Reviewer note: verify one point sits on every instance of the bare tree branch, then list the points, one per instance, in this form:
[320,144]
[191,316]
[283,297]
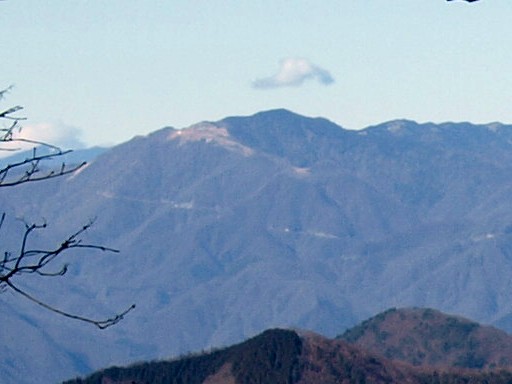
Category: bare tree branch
[101,324]
[28,260]
[30,169]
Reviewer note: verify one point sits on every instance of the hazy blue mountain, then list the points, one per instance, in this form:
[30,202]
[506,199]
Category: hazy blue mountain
[273,220]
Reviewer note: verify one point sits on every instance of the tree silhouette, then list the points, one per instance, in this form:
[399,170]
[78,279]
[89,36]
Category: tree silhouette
[34,261]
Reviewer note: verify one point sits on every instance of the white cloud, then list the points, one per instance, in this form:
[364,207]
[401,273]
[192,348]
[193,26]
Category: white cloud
[292,73]
[60,135]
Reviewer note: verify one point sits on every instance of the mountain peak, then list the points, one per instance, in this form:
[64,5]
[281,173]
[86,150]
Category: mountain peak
[283,133]
[278,118]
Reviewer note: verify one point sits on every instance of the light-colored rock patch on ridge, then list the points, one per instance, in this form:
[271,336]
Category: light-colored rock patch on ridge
[210,133]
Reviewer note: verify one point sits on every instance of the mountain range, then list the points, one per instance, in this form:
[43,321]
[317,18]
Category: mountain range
[229,228]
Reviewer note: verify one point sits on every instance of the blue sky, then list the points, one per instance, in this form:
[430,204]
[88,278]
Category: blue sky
[102,71]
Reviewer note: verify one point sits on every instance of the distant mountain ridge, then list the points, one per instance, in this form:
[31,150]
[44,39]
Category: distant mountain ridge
[288,357]
[229,228]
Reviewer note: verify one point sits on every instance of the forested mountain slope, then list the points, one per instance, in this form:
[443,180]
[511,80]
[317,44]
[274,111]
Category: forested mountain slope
[300,357]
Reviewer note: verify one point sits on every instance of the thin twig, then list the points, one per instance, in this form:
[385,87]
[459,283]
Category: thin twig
[101,324]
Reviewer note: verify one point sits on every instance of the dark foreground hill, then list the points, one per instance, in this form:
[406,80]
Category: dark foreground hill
[288,357]
[229,228]
[428,337]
